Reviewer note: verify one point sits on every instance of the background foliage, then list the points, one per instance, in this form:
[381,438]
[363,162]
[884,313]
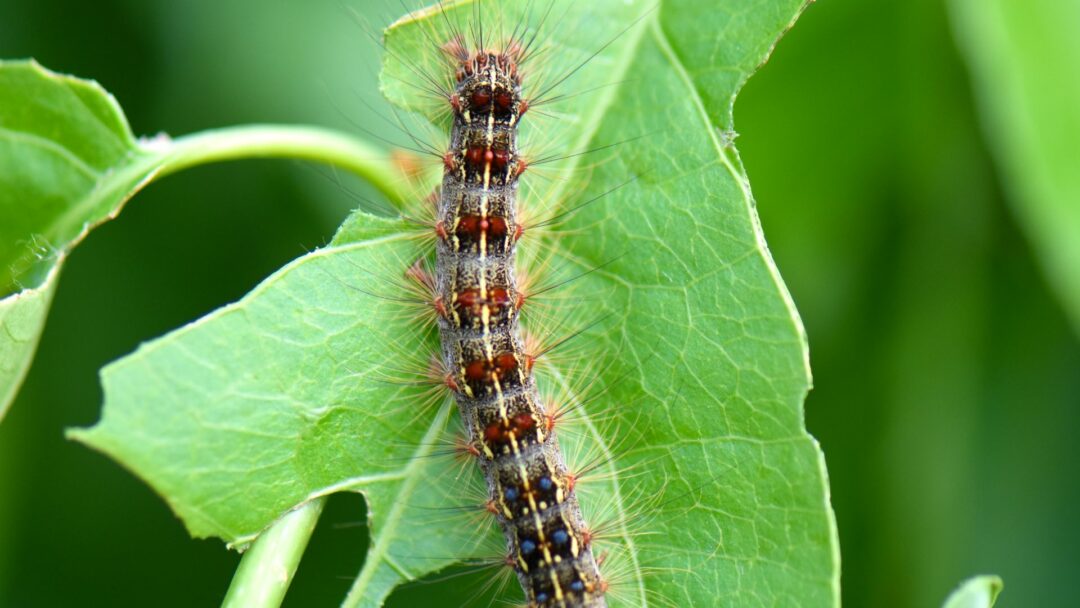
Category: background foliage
[945,367]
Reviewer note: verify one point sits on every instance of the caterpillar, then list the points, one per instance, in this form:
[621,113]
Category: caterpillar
[531,491]
[486,362]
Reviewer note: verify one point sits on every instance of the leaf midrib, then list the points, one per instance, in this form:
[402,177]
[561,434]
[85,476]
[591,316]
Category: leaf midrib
[411,478]
[40,141]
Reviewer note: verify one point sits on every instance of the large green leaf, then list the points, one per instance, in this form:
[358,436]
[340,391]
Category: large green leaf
[284,396]
[1025,59]
[977,592]
[68,162]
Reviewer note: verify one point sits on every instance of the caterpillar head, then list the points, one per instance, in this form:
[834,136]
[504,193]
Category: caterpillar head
[488,84]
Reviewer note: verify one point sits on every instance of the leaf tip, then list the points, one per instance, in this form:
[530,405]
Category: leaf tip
[82,434]
[976,592]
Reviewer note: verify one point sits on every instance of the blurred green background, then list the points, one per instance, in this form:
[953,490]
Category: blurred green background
[946,373]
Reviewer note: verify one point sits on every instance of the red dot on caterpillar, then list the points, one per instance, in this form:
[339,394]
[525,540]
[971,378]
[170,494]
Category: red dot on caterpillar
[476,370]
[471,298]
[468,225]
[463,449]
[494,432]
[523,422]
[505,363]
[480,97]
[472,226]
[451,383]
[571,481]
[496,226]
[470,449]
[503,101]
[586,537]
[440,307]
[497,368]
[498,297]
[468,298]
[549,422]
[477,156]
[557,414]
[499,158]
[501,431]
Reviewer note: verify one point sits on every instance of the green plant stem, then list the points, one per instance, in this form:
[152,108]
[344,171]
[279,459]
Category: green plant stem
[268,566]
[162,156]
[286,141]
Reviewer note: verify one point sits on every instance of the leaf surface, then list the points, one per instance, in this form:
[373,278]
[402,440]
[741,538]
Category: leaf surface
[692,353]
[1025,60]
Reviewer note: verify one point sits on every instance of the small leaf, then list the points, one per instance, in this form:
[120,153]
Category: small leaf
[67,162]
[976,592]
[1025,59]
[22,317]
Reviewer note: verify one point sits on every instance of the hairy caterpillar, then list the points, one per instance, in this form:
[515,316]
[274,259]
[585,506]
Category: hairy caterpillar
[478,298]
[531,489]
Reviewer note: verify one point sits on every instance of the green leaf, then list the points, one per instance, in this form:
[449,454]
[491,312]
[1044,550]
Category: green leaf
[289,395]
[1025,60]
[976,592]
[68,162]
[22,317]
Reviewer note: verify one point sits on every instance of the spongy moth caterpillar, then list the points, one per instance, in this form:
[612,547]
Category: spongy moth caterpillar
[478,295]
[531,491]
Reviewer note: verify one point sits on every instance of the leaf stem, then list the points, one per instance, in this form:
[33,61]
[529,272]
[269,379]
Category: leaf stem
[284,141]
[268,566]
